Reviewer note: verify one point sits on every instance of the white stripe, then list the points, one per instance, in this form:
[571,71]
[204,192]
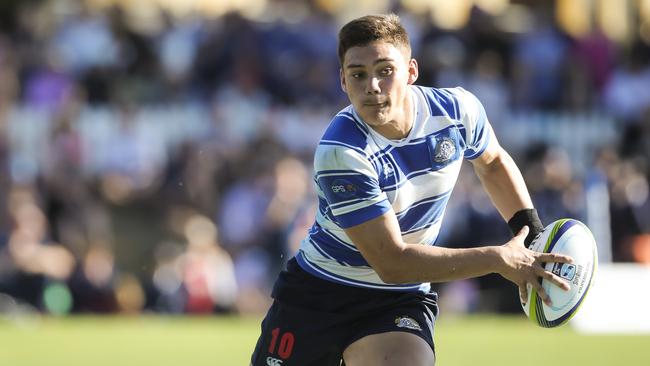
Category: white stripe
[427,235]
[363,204]
[339,143]
[335,174]
[433,199]
[426,186]
[345,241]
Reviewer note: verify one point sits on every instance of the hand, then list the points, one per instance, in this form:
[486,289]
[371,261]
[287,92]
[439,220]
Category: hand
[523,266]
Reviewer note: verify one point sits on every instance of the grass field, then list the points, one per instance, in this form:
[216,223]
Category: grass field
[228,341]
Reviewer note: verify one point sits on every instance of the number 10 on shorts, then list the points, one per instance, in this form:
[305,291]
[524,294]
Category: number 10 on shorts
[285,346]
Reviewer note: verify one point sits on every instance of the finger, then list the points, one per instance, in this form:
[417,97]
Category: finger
[523,232]
[554,258]
[523,293]
[541,293]
[554,279]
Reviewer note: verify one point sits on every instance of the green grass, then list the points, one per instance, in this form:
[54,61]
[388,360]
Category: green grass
[226,341]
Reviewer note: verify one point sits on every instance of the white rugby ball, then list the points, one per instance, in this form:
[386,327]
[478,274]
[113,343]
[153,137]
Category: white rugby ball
[568,237]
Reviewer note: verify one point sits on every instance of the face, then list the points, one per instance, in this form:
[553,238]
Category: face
[376,78]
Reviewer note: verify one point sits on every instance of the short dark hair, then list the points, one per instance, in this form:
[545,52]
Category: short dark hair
[370,28]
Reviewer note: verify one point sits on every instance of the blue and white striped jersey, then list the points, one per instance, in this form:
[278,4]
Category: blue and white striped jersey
[360,175]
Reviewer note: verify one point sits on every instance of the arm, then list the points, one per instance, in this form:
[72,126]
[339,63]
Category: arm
[379,241]
[395,261]
[506,188]
[502,180]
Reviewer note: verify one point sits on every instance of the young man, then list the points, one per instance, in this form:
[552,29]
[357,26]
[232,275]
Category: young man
[358,290]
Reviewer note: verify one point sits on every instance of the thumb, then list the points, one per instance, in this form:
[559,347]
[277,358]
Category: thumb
[522,233]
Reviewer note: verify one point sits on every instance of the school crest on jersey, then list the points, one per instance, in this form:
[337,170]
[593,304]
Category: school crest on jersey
[407,322]
[445,149]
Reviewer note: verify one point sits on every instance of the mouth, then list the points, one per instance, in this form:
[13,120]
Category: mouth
[376,105]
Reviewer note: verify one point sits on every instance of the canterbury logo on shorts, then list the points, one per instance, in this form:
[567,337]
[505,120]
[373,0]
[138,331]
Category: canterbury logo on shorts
[406,322]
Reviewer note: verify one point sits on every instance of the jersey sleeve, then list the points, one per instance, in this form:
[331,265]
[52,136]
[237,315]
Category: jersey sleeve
[475,122]
[347,181]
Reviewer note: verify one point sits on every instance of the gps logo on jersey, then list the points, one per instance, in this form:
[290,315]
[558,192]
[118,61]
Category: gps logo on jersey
[445,149]
[406,322]
[270,361]
[343,188]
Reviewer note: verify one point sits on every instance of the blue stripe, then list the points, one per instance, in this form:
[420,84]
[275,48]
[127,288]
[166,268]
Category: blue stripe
[358,124]
[337,251]
[336,238]
[327,275]
[423,227]
[364,214]
[341,129]
[441,102]
[407,178]
[409,157]
[563,229]
[321,251]
[345,190]
[403,181]
[328,253]
[325,210]
[422,201]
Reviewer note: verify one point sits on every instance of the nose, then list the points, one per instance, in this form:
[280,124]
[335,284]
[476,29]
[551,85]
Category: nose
[373,86]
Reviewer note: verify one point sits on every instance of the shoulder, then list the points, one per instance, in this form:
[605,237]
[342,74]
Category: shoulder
[343,145]
[451,102]
[346,130]
[345,135]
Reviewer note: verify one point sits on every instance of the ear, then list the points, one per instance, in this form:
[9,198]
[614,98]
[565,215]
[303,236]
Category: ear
[413,71]
[342,78]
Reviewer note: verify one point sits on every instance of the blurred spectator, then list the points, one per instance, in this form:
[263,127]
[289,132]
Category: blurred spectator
[35,261]
[207,270]
[627,94]
[538,59]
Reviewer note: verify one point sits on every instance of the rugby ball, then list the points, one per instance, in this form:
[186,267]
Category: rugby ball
[568,237]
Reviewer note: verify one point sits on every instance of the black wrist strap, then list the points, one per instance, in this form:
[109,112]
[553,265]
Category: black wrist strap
[526,217]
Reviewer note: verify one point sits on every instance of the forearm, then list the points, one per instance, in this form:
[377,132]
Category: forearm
[422,263]
[505,185]
[395,261]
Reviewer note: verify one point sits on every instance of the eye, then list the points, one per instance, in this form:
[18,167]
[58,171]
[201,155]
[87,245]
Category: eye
[387,71]
[357,75]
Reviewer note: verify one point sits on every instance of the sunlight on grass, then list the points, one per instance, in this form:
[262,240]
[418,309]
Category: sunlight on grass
[226,341]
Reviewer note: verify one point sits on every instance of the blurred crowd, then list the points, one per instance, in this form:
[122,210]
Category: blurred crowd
[165,166]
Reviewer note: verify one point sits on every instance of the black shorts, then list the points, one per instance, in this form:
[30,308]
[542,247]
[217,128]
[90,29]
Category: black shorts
[312,321]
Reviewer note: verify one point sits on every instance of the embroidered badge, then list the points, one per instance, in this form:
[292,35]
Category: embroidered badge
[406,322]
[445,149]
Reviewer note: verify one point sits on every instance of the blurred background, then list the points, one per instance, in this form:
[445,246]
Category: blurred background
[156,155]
